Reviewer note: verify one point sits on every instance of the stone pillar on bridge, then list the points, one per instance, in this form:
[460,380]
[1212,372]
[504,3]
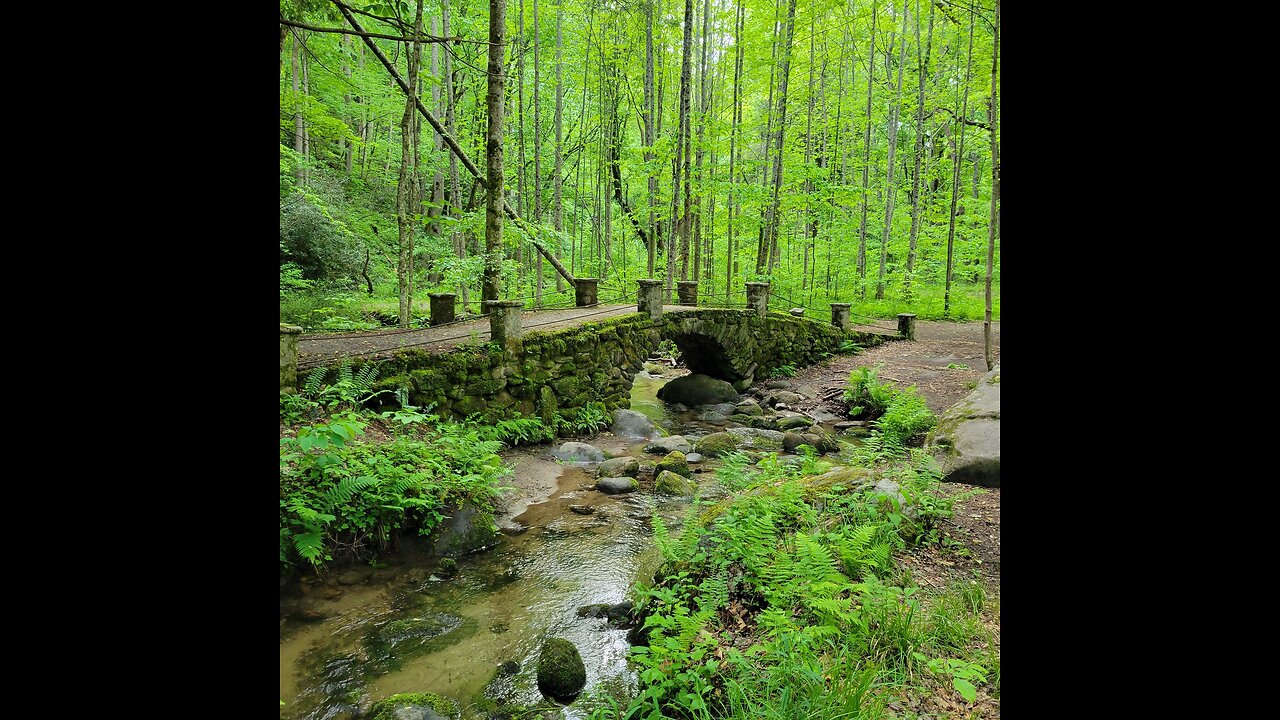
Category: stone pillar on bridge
[840,315]
[907,325]
[797,312]
[586,291]
[687,291]
[442,308]
[289,357]
[649,299]
[504,325]
[758,298]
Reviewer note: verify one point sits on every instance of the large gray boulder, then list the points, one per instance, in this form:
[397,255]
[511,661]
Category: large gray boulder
[966,442]
[756,439]
[617,485]
[633,424]
[697,389]
[579,452]
[671,443]
[619,467]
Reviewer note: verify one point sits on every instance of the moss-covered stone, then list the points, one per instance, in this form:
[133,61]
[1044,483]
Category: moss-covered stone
[669,483]
[561,673]
[717,444]
[418,706]
[675,462]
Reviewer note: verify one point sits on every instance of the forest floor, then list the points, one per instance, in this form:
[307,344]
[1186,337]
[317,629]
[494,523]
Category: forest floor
[971,542]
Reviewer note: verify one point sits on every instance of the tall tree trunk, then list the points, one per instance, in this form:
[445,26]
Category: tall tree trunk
[762,243]
[557,216]
[297,113]
[455,186]
[681,224]
[892,190]
[784,70]
[347,148]
[405,204]
[733,143]
[703,108]
[649,136]
[919,150]
[493,152]
[866,161]
[522,204]
[537,143]
[437,180]
[993,225]
[808,156]
[957,157]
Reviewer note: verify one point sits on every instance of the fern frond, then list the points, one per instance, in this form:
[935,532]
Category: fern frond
[315,380]
[347,488]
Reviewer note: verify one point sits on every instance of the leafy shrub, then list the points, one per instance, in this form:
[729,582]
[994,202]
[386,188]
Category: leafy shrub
[338,495]
[899,415]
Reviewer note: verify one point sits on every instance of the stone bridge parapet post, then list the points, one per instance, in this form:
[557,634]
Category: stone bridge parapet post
[442,308]
[504,325]
[840,315]
[758,298]
[649,298]
[907,325]
[586,291]
[289,357]
[687,292]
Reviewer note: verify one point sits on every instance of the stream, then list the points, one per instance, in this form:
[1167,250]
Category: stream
[402,628]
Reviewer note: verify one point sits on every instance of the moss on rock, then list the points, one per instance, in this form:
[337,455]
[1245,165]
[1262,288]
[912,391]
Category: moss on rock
[675,462]
[669,483]
[717,444]
[441,706]
[561,673]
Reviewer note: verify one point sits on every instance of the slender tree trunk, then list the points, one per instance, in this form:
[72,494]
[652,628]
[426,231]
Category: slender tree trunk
[537,143]
[297,113]
[919,150]
[558,200]
[993,225]
[808,156]
[681,224]
[405,204]
[703,109]
[455,186]
[730,253]
[957,155]
[892,190]
[437,180]
[784,69]
[493,152]
[866,162]
[762,243]
[522,203]
[650,137]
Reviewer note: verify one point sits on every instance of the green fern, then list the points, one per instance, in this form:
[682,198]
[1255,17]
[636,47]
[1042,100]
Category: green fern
[315,381]
[346,488]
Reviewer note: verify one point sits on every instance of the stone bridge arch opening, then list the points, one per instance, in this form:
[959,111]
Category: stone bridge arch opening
[706,355]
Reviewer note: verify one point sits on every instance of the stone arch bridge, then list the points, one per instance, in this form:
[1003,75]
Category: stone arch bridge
[595,361]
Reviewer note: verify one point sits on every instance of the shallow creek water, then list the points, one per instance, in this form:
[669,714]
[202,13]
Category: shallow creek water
[407,630]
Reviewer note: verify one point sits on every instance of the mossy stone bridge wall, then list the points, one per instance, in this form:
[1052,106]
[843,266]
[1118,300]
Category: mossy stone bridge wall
[564,370]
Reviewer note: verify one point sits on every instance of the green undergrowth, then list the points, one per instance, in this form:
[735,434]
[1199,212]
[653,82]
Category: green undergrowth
[900,415]
[351,479]
[786,601]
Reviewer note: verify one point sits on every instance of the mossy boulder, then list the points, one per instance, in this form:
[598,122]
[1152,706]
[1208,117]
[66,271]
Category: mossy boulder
[617,485]
[561,674]
[791,441]
[674,462]
[619,467]
[469,529]
[669,483]
[717,444]
[697,389]
[415,706]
